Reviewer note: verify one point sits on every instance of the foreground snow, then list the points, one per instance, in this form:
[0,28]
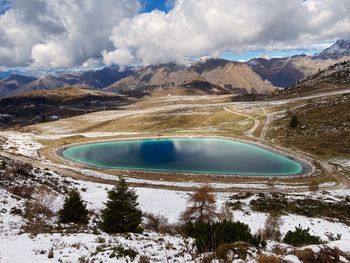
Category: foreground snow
[17,247]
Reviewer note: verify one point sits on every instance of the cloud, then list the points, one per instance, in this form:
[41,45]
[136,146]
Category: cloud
[59,33]
[200,27]
[80,33]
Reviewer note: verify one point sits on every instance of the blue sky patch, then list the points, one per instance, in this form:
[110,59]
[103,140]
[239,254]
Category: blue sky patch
[4,6]
[162,5]
[245,56]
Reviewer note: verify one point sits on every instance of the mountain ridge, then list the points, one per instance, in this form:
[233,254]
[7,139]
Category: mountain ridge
[258,75]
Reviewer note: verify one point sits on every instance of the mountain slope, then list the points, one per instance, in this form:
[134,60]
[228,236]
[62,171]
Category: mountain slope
[340,49]
[102,78]
[336,74]
[14,84]
[284,72]
[332,78]
[231,77]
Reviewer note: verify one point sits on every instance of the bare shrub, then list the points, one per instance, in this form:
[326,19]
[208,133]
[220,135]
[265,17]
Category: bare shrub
[156,223]
[268,259]
[50,254]
[144,259]
[314,187]
[272,228]
[225,213]
[228,252]
[208,258]
[201,206]
[23,191]
[327,255]
[39,213]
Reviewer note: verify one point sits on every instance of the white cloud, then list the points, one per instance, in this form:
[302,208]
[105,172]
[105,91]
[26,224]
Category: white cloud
[71,33]
[59,33]
[200,27]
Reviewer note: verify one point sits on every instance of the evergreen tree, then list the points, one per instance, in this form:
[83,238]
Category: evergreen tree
[121,213]
[73,210]
[294,121]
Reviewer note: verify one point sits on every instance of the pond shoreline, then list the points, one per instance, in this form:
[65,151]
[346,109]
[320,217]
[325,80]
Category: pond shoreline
[308,169]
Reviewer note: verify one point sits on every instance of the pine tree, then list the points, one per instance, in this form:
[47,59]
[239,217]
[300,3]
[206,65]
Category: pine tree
[73,210]
[121,213]
[294,121]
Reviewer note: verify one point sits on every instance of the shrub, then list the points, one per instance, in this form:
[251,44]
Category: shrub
[121,252]
[209,236]
[272,227]
[268,259]
[301,237]
[73,210]
[324,255]
[50,254]
[121,213]
[314,187]
[157,223]
[144,259]
[226,211]
[228,252]
[294,121]
[39,213]
[23,191]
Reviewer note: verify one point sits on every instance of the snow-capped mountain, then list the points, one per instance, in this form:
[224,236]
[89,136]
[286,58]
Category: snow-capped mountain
[340,49]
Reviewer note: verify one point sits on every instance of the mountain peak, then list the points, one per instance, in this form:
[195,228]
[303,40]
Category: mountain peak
[339,49]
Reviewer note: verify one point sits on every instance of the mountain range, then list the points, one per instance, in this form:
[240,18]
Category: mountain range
[256,76]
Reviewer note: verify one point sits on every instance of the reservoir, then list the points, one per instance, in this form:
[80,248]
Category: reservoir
[190,155]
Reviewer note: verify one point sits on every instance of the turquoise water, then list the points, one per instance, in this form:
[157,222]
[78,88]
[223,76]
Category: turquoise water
[208,156]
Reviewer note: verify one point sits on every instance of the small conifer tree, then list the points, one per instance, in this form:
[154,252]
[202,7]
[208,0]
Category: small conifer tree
[294,121]
[121,213]
[73,210]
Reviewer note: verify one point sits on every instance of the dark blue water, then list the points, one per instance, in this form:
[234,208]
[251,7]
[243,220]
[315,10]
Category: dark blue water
[213,156]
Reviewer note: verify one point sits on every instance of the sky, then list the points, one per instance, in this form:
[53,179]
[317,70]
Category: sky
[85,34]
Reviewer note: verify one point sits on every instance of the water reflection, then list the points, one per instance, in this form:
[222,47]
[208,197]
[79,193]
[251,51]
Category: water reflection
[185,155]
[156,153]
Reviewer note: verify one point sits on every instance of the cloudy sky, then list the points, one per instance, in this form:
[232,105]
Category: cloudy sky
[64,34]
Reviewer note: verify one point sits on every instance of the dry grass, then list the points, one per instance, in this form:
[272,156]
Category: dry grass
[268,259]
[323,130]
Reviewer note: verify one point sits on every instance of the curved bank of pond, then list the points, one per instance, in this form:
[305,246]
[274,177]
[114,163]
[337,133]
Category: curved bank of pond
[187,155]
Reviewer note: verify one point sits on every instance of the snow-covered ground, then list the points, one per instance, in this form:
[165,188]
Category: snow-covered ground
[15,247]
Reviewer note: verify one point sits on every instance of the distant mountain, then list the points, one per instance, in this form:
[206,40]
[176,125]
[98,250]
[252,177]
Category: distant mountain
[17,84]
[222,75]
[285,72]
[45,83]
[4,74]
[340,49]
[336,74]
[14,85]
[102,78]
[212,76]
[234,76]
[19,79]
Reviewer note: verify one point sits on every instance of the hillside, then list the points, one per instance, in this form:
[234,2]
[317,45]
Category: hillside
[332,78]
[231,77]
[13,84]
[44,105]
[285,72]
